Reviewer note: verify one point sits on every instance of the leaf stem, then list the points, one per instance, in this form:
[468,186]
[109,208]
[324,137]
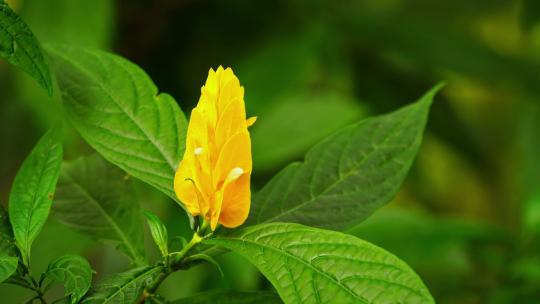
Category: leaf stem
[29,282]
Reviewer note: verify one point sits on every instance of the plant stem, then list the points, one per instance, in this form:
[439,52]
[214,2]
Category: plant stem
[174,260]
[35,286]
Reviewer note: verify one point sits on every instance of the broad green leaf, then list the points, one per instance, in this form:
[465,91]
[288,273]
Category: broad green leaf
[7,244]
[349,175]
[95,198]
[117,109]
[310,265]
[278,137]
[123,287]
[74,272]
[231,297]
[33,190]
[8,265]
[158,231]
[19,46]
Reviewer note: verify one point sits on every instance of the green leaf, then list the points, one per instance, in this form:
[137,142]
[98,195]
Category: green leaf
[76,274]
[117,109]
[310,265]
[349,175]
[19,46]
[7,243]
[123,287]
[158,231]
[33,189]
[278,139]
[231,297]
[8,265]
[96,199]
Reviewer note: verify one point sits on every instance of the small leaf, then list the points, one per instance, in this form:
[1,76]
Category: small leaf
[19,46]
[310,265]
[33,190]
[95,198]
[8,265]
[158,231]
[231,297]
[117,109]
[75,272]
[123,287]
[349,175]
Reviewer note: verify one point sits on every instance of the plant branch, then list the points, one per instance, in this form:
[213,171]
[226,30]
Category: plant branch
[174,261]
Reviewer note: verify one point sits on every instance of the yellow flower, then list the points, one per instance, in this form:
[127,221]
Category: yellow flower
[213,178]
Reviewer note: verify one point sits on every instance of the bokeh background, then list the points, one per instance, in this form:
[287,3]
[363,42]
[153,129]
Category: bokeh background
[468,216]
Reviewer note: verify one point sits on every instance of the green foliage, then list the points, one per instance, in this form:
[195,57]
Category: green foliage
[309,265]
[103,208]
[33,190]
[158,231]
[349,175]
[231,297]
[117,109]
[19,46]
[121,288]
[74,272]
[8,265]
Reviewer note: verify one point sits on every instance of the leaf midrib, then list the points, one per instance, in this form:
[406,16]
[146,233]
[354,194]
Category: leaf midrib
[136,256]
[33,202]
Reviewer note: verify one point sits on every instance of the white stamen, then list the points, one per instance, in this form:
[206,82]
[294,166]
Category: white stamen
[235,173]
[198,151]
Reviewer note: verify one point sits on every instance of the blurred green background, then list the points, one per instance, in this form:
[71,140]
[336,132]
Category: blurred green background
[468,216]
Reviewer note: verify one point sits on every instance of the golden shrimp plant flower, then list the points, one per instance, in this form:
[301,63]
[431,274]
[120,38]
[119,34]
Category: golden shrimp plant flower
[213,178]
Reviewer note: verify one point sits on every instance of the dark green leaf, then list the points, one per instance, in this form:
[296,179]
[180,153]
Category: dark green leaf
[7,244]
[231,297]
[97,199]
[158,231]
[33,189]
[74,272]
[123,287]
[117,109]
[8,265]
[349,175]
[19,46]
[310,265]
